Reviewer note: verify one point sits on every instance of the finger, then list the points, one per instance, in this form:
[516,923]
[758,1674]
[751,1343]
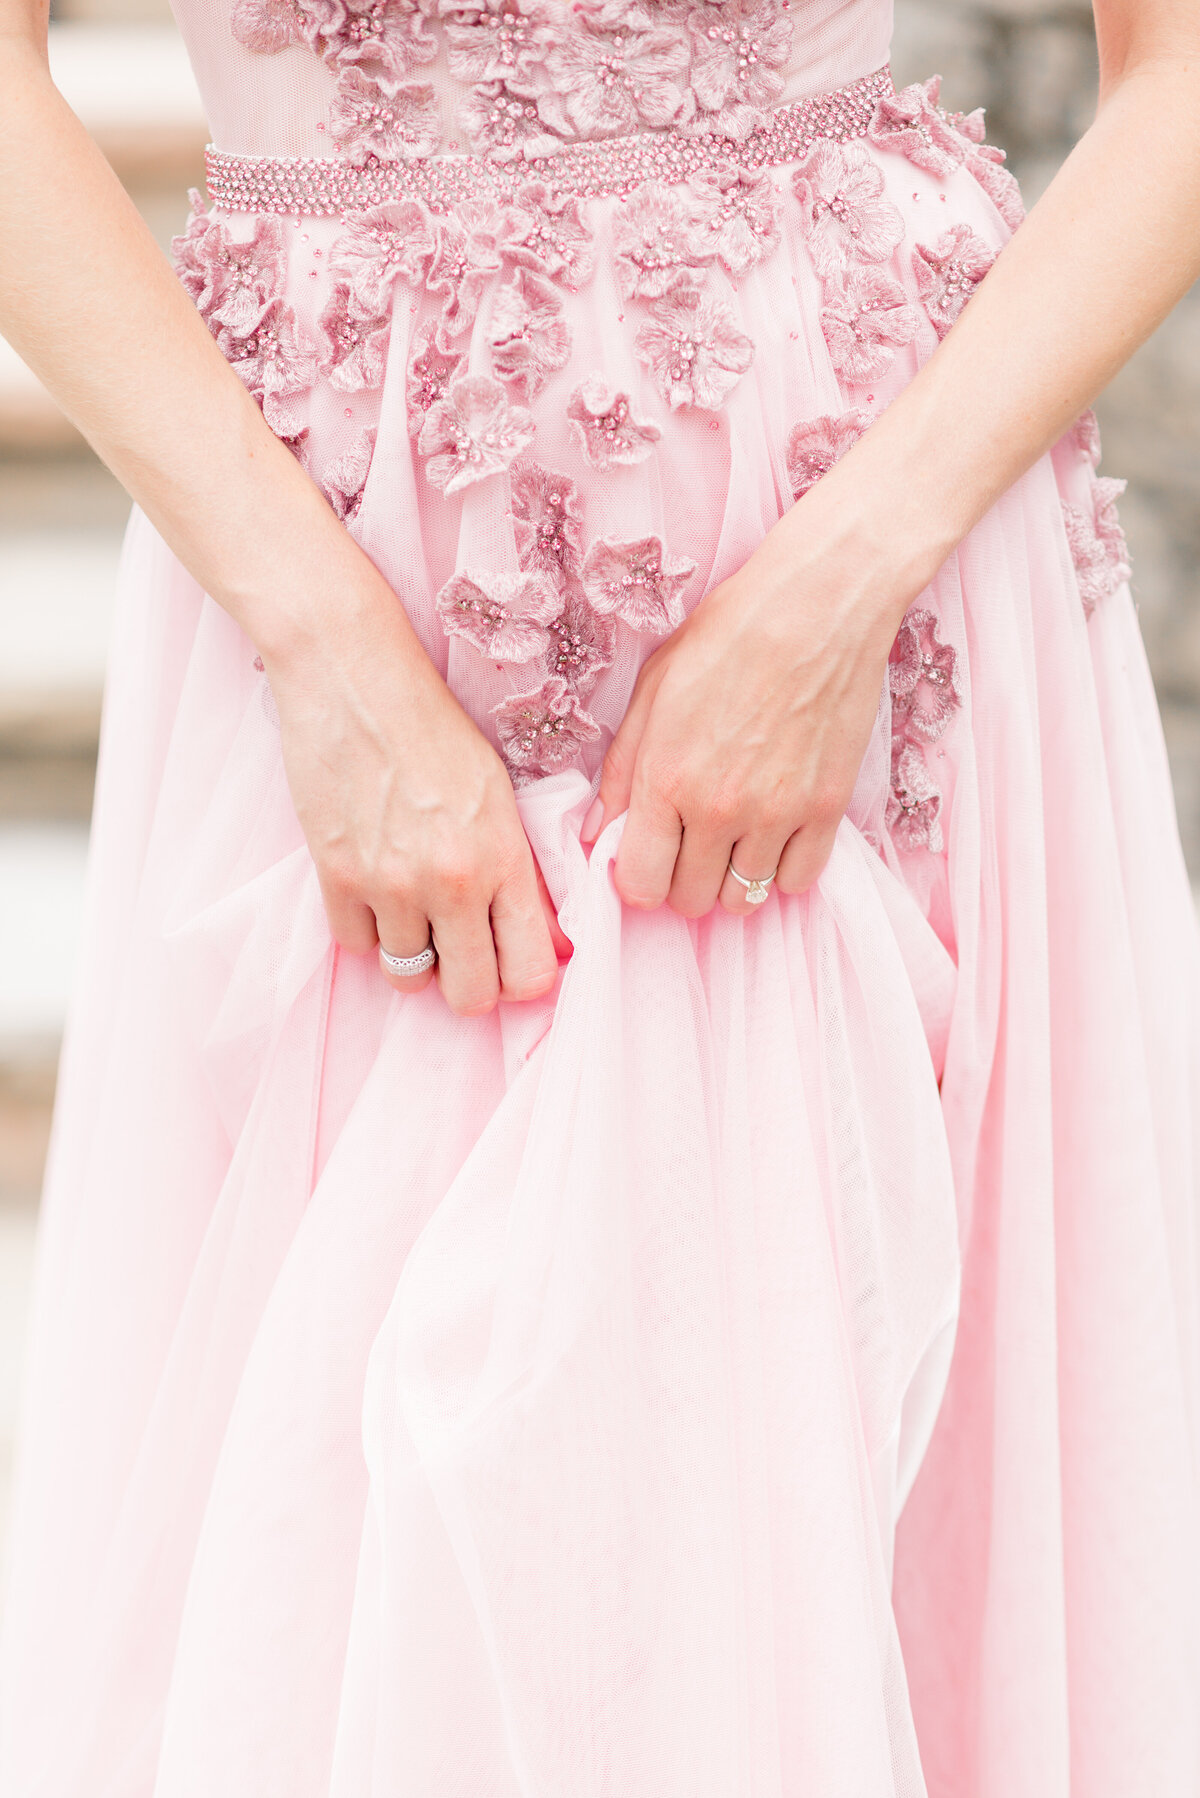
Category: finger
[755,856]
[616,777]
[804,855]
[403,931]
[466,970]
[699,871]
[646,858]
[525,957]
[564,948]
[350,919]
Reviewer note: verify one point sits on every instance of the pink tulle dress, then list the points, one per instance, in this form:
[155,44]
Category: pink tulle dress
[770,1366]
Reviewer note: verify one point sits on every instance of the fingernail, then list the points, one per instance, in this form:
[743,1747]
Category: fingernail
[593,821]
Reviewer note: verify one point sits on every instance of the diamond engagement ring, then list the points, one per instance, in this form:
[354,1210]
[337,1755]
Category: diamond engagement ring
[407,965]
[756,890]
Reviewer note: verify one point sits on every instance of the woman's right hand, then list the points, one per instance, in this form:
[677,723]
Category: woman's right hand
[411,819]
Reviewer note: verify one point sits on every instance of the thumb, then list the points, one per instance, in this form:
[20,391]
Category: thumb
[616,777]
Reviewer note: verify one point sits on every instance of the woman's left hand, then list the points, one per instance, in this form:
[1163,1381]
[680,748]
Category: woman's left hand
[746,730]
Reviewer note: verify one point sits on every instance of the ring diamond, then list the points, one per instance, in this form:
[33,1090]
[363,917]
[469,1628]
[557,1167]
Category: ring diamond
[756,890]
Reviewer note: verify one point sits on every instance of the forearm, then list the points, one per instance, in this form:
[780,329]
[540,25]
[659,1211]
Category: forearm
[90,302]
[1100,261]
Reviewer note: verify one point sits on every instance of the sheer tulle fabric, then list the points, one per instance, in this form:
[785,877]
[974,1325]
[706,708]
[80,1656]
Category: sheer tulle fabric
[768,1366]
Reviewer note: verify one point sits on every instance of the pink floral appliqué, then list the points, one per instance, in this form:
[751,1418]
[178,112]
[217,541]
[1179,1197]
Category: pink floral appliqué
[582,643]
[380,245]
[497,40]
[637,583]
[542,731]
[527,332]
[923,681]
[613,81]
[356,345]
[986,163]
[694,350]
[503,615]
[462,264]
[656,243]
[230,283]
[914,806]
[736,215]
[503,122]
[373,116]
[268,26]
[1085,435]
[384,37]
[738,49]
[605,427]
[866,319]
[911,123]
[276,361]
[551,235]
[473,433]
[948,272]
[344,482]
[815,445]
[546,522]
[1098,547]
[430,372]
[846,217]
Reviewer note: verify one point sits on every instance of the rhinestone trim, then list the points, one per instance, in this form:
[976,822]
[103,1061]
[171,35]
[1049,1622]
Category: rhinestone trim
[313,186]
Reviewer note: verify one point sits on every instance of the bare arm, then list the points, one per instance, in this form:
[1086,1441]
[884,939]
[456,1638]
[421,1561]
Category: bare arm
[767,696]
[407,809]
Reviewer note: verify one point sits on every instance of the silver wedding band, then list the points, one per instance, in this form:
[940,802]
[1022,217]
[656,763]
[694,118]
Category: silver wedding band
[756,890]
[407,965]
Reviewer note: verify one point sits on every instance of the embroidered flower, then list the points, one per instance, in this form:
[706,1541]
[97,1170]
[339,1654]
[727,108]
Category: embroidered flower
[551,235]
[614,81]
[379,245]
[948,272]
[527,333]
[911,123]
[230,283]
[738,48]
[384,37]
[276,361]
[344,483]
[694,349]
[461,265]
[473,433]
[497,40]
[503,615]
[356,345]
[986,164]
[815,445]
[1098,547]
[840,190]
[922,677]
[504,123]
[914,806]
[637,583]
[372,116]
[430,372]
[655,241]
[266,26]
[546,522]
[542,731]
[866,319]
[735,215]
[582,643]
[1085,435]
[605,427]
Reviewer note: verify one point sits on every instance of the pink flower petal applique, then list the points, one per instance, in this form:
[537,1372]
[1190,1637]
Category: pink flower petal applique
[528,333]
[735,215]
[276,361]
[356,344]
[913,815]
[430,372]
[846,216]
[498,40]
[613,81]
[543,731]
[582,643]
[344,482]
[815,445]
[1098,547]
[503,615]
[473,433]
[373,116]
[738,50]
[987,165]
[388,38]
[381,245]
[462,264]
[503,122]
[922,677]
[546,523]
[694,349]
[230,282]
[606,428]
[948,272]
[912,123]
[266,26]
[866,318]
[1085,435]
[635,582]
[552,237]
[657,245]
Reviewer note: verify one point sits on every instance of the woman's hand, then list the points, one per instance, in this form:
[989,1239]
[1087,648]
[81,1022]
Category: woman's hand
[411,819]
[746,729]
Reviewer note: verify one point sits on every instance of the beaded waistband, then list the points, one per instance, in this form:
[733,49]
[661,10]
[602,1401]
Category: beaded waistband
[317,186]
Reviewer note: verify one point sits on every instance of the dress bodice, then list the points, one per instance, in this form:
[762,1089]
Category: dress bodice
[401,78]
